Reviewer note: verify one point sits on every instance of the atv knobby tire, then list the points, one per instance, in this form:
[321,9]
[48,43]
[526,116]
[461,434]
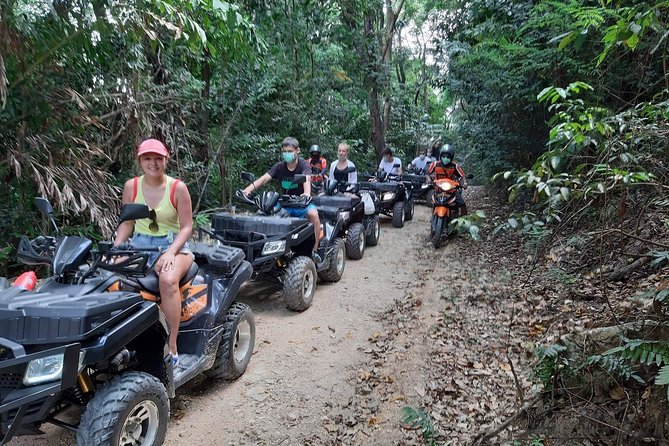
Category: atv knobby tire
[132,408]
[355,241]
[408,210]
[374,232]
[398,214]
[337,263]
[299,283]
[236,346]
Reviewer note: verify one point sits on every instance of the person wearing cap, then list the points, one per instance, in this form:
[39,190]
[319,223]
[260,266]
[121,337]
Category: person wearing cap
[388,163]
[169,227]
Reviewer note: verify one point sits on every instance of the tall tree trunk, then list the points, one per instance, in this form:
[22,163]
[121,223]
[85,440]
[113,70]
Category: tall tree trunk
[203,153]
[372,80]
[387,58]
[378,135]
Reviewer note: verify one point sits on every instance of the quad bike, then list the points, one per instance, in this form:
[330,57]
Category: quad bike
[444,209]
[394,197]
[276,245]
[422,189]
[344,216]
[92,337]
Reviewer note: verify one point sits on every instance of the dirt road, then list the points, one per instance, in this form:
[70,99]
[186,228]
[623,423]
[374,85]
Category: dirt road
[305,367]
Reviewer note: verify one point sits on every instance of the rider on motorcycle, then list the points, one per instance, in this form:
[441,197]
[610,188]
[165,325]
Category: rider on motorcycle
[446,168]
[318,164]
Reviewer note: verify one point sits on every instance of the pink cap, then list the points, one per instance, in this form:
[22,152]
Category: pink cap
[152,146]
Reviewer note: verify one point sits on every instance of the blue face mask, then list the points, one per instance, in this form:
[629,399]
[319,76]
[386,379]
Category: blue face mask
[288,157]
[446,160]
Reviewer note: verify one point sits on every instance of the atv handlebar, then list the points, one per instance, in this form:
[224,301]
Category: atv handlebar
[239,195]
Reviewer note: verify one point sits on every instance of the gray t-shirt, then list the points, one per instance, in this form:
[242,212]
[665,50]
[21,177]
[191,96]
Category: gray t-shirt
[420,164]
[388,166]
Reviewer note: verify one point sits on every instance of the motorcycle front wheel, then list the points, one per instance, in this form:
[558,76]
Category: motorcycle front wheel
[437,230]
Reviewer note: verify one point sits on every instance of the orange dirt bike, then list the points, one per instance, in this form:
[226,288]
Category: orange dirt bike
[444,209]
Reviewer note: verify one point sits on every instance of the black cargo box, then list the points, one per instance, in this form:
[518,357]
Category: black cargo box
[343,203]
[222,259]
[388,186]
[413,178]
[260,224]
[46,318]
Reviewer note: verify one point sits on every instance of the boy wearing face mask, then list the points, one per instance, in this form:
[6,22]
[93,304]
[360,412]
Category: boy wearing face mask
[446,168]
[283,172]
[421,162]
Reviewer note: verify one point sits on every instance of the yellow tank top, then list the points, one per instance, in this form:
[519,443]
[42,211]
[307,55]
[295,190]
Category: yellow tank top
[166,215]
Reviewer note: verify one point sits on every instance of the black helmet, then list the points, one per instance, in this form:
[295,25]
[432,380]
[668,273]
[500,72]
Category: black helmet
[447,151]
[315,149]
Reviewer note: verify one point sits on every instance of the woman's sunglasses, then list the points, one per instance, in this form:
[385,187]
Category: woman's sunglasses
[153,226]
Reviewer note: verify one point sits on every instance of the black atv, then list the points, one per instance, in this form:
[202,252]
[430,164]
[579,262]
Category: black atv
[277,246]
[357,225]
[394,196]
[422,189]
[92,338]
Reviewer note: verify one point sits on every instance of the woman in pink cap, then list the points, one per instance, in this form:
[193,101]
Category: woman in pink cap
[169,227]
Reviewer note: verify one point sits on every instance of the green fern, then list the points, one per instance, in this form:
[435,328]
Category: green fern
[642,351]
[417,419]
[662,378]
[550,364]
[616,366]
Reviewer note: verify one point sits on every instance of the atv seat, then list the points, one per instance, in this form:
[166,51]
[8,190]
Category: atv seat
[150,282]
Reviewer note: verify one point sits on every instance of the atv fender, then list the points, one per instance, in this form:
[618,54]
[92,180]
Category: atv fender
[224,290]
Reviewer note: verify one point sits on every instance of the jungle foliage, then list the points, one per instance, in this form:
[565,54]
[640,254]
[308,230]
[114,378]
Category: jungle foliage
[82,82]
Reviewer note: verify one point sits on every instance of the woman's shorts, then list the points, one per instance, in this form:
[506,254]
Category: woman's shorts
[143,241]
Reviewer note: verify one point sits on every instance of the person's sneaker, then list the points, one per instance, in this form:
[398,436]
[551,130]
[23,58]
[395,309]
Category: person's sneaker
[316,258]
[175,359]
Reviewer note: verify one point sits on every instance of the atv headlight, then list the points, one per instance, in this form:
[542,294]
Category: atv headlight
[388,196]
[345,215]
[424,186]
[273,247]
[42,370]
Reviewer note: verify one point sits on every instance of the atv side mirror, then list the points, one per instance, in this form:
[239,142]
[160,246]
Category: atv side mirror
[133,211]
[45,208]
[397,165]
[469,176]
[351,169]
[248,176]
[43,205]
